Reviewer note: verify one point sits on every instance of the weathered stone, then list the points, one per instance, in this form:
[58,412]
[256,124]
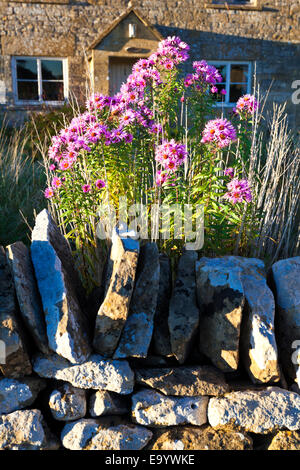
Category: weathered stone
[260,412]
[285,440]
[59,286]
[90,434]
[200,438]
[107,403]
[114,310]
[258,344]
[15,362]
[221,300]
[184,381]
[97,373]
[67,403]
[28,296]
[161,334]
[183,312]
[17,394]
[151,408]
[137,333]
[286,277]
[25,430]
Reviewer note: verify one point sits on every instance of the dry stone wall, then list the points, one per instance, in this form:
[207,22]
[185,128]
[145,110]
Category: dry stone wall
[234,383]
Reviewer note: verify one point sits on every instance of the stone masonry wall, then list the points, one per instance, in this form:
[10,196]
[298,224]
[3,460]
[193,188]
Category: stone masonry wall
[60,28]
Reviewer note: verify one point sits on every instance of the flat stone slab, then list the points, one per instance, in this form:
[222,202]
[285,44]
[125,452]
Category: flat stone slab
[260,412]
[221,300]
[28,296]
[183,311]
[26,430]
[97,373]
[114,310]
[16,394]
[258,343]
[200,438]
[161,335]
[15,360]
[59,288]
[68,403]
[184,381]
[286,277]
[90,434]
[151,408]
[137,333]
[103,403]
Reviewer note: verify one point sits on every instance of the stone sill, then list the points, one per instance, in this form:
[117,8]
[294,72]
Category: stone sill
[233,7]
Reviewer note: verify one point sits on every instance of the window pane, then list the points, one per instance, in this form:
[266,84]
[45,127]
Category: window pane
[27,69]
[218,96]
[239,73]
[52,70]
[53,91]
[236,91]
[28,91]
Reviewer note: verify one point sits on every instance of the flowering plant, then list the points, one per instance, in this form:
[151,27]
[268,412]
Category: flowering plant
[152,142]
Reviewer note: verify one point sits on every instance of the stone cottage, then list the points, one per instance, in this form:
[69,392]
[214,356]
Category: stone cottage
[51,50]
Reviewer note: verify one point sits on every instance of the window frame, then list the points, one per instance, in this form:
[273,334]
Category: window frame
[40,101]
[228,63]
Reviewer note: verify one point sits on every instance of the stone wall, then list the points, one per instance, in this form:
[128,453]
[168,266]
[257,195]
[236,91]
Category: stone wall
[267,34]
[210,361]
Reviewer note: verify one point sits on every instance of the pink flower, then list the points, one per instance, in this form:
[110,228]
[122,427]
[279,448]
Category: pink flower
[214,89]
[65,164]
[100,184]
[220,132]
[86,188]
[161,178]
[49,193]
[229,172]
[56,182]
[170,155]
[52,167]
[246,104]
[223,91]
[238,191]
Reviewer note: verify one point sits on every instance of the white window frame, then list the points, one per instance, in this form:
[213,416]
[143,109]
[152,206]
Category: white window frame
[225,102]
[39,80]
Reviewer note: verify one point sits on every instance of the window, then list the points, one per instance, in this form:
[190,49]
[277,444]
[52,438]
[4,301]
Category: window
[39,80]
[236,81]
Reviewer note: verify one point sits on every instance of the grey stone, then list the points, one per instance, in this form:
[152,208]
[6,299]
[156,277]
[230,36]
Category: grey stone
[184,381]
[16,362]
[114,310]
[221,300]
[107,403]
[97,373]
[161,334]
[137,333]
[90,434]
[183,312]
[258,343]
[151,408]
[28,296]
[25,430]
[68,403]
[58,285]
[16,394]
[199,438]
[286,278]
[260,412]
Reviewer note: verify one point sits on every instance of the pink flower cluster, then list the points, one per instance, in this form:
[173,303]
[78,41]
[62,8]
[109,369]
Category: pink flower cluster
[219,132]
[246,104]
[238,191]
[170,155]
[203,76]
